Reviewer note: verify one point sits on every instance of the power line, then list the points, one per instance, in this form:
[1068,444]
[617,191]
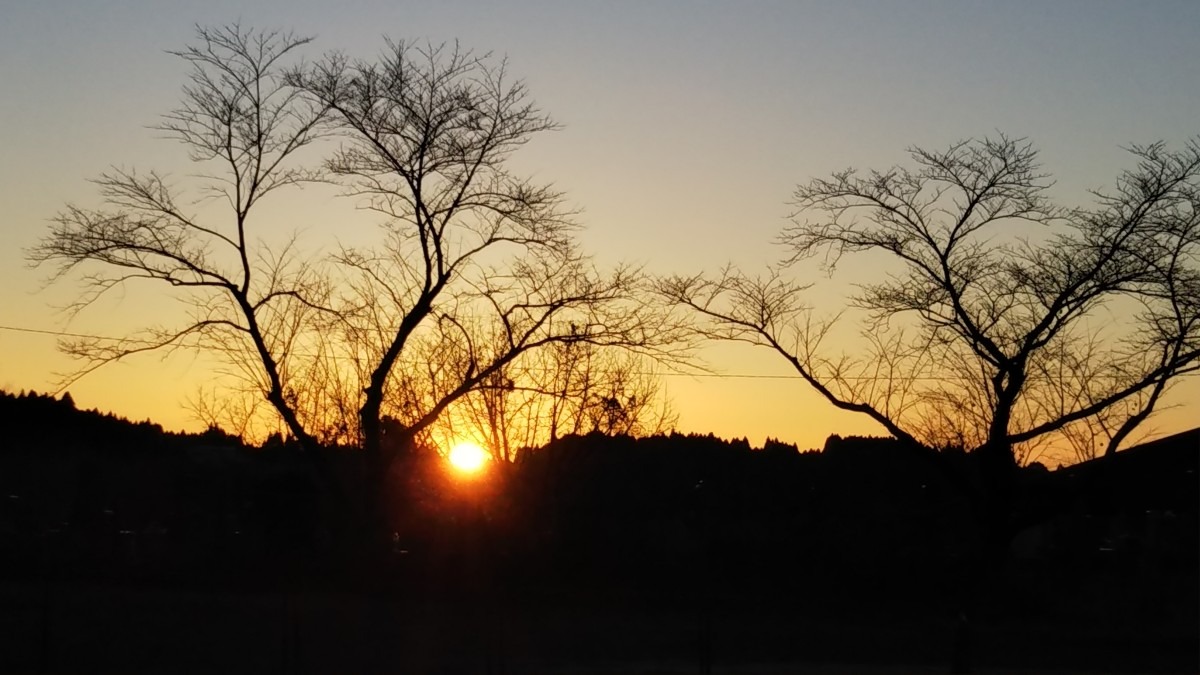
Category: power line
[57,333]
[718,376]
[744,376]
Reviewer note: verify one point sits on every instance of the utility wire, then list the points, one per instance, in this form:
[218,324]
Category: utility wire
[719,376]
[744,376]
[56,333]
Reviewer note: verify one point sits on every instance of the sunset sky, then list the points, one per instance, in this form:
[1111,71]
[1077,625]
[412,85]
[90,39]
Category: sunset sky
[686,125]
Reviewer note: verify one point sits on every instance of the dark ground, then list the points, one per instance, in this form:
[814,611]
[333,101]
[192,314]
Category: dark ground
[75,627]
[127,550]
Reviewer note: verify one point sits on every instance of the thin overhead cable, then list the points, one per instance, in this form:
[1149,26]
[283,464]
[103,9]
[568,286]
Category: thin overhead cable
[56,333]
[719,376]
[744,376]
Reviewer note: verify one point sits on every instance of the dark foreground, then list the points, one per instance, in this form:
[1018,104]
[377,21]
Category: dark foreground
[74,627]
[127,550]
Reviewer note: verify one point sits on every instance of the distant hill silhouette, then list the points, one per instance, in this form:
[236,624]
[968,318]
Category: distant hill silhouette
[1157,475]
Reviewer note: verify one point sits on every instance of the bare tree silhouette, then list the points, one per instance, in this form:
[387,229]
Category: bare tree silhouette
[569,388]
[985,341]
[981,340]
[471,249]
[477,267]
[250,303]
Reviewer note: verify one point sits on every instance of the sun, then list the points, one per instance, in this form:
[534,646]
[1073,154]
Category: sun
[467,457]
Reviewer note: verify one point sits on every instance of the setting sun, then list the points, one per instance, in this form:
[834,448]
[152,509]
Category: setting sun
[467,457]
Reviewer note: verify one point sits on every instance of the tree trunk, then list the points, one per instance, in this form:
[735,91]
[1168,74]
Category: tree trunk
[996,478]
[374,470]
[383,442]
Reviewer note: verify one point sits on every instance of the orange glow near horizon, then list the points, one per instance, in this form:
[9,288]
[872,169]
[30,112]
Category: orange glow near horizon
[467,457]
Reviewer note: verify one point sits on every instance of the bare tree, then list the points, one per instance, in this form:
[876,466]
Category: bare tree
[623,396]
[427,132]
[238,414]
[983,340]
[250,304]
[567,388]
[477,266]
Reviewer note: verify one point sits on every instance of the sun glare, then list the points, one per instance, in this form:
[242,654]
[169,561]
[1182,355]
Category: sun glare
[467,457]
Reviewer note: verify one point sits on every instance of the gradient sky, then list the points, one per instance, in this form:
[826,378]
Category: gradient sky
[686,126]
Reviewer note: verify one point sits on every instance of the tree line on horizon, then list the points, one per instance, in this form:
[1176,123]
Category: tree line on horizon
[77,470]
